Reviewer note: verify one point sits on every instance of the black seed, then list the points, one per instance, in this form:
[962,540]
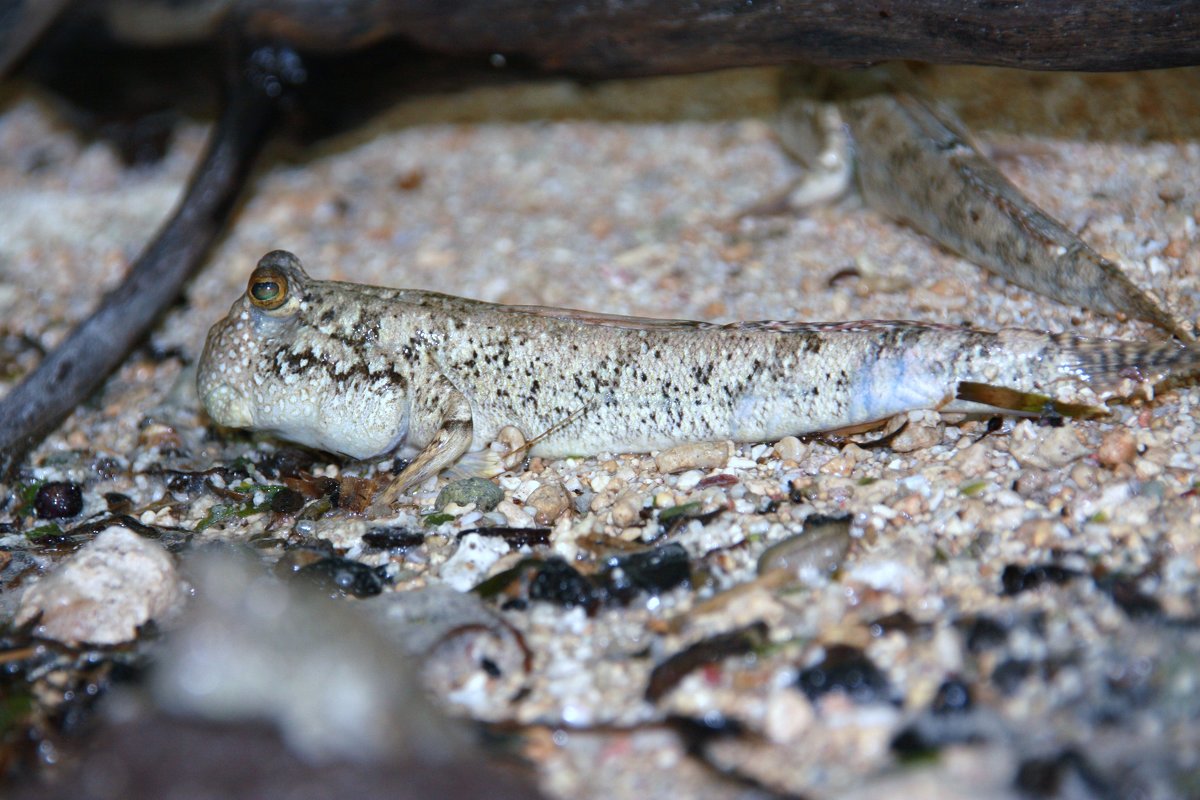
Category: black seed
[343,576]
[118,503]
[1016,579]
[953,697]
[329,487]
[1047,776]
[910,744]
[186,482]
[288,462]
[490,667]
[516,537]
[848,670]
[985,633]
[1129,597]
[1009,674]
[654,571]
[393,538]
[58,500]
[287,501]
[558,582]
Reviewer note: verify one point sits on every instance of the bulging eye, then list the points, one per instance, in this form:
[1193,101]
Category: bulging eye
[268,288]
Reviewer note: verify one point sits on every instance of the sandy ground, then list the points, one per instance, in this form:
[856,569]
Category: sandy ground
[622,198]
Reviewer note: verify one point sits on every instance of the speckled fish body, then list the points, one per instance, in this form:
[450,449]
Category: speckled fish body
[364,371]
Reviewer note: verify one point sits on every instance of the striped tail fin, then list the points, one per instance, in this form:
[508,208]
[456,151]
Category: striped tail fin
[1073,376]
[1103,361]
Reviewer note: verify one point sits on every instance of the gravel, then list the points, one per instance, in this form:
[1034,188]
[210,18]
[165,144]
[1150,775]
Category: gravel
[624,198]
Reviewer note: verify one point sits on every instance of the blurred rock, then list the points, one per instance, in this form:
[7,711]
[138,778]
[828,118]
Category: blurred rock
[269,690]
[102,594]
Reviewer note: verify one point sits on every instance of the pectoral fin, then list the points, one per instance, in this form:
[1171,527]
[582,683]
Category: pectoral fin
[453,438]
[1024,403]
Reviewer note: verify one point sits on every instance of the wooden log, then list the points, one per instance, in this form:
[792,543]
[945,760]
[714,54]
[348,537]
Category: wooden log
[626,38]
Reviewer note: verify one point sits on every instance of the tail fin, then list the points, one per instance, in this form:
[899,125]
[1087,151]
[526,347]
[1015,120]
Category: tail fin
[1106,362]
[1073,376]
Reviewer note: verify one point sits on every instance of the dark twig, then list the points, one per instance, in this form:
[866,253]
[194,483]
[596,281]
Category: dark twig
[101,342]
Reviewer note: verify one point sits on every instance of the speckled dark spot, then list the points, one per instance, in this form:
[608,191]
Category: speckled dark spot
[1017,578]
[654,571]
[286,461]
[342,576]
[393,538]
[848,670]
[287,501]
[953,697]
[58,500]
[1010,674]
[984,633]
[558,582]
[1045,776]
[106,467]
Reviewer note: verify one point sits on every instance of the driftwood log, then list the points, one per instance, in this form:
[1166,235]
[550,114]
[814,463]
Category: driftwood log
[625,38]
[480,40]
[600,38]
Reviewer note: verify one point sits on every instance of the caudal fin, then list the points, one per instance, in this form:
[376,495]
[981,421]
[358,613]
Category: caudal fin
[1031,373]
[1103,362]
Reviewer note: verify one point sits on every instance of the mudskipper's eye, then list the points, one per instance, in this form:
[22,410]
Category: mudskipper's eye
[268,288]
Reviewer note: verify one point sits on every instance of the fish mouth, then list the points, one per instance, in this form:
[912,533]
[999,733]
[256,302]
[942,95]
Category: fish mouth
[227,407]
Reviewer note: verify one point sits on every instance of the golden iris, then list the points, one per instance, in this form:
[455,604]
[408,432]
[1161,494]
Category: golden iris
[268,288]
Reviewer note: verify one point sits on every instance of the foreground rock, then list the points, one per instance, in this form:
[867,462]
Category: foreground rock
[105,592]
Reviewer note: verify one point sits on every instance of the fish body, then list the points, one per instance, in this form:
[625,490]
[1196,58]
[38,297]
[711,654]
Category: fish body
[367,371]
[912,160]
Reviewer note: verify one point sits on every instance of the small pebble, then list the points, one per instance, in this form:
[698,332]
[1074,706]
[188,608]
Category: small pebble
[514,515]
[789,448]
[58,500]
[974,459]
[470,563]
[701,455]
[512,442]
[818,550]
[480,491]
[918,436]
[1117,447]
[548,502]
[105,592]
[1046,448]
[627,508]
